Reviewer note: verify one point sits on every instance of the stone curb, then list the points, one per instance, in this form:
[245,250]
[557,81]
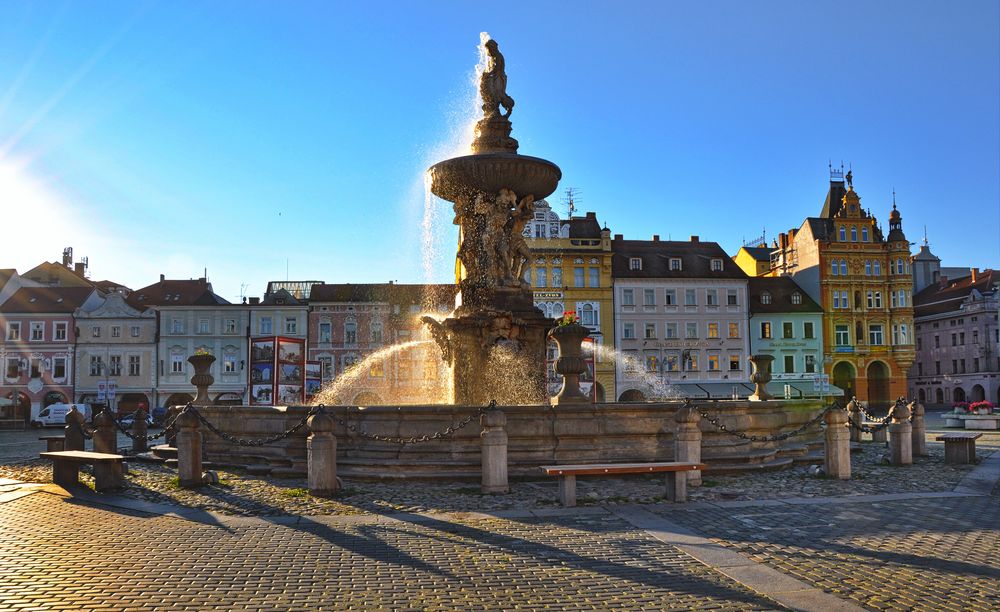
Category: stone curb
[983,478]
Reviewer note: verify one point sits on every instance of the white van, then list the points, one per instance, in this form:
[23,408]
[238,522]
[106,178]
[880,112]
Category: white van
[54,415]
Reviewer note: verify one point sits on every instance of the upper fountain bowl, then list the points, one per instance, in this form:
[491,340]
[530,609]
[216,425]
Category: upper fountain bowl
[490,172]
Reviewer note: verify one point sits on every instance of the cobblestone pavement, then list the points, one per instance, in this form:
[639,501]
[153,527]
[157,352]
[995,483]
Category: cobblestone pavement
[929,554]
[57,554]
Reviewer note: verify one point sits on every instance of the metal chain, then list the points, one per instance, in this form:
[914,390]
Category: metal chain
[867,428]
[775,438]
[447,431]
[871,417]
[148,438]
[260,441]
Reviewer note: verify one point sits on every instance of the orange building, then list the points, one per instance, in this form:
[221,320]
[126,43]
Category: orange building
[862,279]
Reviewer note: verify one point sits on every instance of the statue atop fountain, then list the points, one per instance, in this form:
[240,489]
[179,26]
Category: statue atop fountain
[493,192]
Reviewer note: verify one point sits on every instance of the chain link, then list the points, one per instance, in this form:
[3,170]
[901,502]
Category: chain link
[447,431]
[257,442]
[753,438]
[149,438]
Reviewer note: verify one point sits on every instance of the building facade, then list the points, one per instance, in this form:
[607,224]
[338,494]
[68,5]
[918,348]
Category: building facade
[958,339]
[787,324]
[681,319]
[570,270]
[862,279]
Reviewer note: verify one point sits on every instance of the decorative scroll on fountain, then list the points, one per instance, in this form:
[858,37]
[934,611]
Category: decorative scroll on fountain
[492,191]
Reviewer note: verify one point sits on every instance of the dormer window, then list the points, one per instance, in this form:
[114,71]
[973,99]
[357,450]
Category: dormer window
[765,298]
[796,298]
[635,263]
[675,263]
[716,265]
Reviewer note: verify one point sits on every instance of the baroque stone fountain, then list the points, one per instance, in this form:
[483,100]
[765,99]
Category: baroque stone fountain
[492,191]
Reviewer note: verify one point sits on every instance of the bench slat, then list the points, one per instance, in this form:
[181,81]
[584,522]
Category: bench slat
[620,468]
[958,436]
[80,456]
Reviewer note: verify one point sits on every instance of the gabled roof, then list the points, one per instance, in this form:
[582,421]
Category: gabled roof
[762,254]
[584,227]
[936,299]
[696,259]
[195,292]
[834,199]
[822,229]
[108,286]
[5,275]
[281,297]
[56,274]
[44,300]
[781,288]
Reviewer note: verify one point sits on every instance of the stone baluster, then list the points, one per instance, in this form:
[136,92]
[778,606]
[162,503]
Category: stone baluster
[837,460]
[494,451]
[189,449]
[854,410]
[139,431]
[900,435]
[106,441]
[322,455]
[687,441]
[919,430]
[75,440]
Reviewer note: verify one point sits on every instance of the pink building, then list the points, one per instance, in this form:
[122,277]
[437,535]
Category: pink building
[39,340]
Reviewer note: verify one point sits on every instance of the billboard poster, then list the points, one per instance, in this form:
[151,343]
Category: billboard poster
[277,371]
[314,379]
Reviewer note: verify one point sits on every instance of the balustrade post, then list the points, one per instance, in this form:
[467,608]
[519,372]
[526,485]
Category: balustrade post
[837,451]
[854,411]
[189,449]
[900,435]
[919,435]
[73,432]
[687,441]
[494,451]
[106,441]
[139,431]
[322,455]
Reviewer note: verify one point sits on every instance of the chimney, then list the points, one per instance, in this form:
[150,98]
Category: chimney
[975,274]
[254,301]
[619,237]
[656,237]
[78,268]
[783,241]
[162,278]
[694,239]
[592,215]
[943,280]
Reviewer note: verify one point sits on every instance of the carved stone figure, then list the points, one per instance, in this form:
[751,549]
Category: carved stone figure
[493,84]
[442,337]
[520,253]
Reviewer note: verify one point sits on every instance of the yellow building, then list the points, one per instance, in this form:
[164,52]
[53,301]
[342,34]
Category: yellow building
[570,270]
[862,279]
[754,261]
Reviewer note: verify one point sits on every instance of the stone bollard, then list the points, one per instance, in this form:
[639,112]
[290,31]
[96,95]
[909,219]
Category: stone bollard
[170,433]
[919,430]
[900,436]
[75,440]
[188,449]
[106,441]
[494,453]
[687,441]
[837,461]
[854,410]
[322,455]
[139,431]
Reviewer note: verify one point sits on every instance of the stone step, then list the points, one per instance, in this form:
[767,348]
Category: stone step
[205,465]
[164,452]
[258,469]
[743,468]
[793,450]
[288,472]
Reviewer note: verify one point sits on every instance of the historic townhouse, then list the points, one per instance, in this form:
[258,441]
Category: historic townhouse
[788,325]
[958,337]
[862,279]
[681,320]
[372,345]
[570,270]
[39,335]
[116,346]
[192,318]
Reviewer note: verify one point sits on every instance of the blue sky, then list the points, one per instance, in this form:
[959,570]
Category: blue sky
[260,140]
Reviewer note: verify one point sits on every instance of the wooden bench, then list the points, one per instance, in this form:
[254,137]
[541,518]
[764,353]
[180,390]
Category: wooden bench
[676,473]
[108,468]
[54,443]
[959,447]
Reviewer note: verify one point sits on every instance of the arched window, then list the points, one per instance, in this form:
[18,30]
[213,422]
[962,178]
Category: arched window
[834,267]
[350,332]
[868,267]
[587,315]
[899,266]
[854,234]
[864,234]
[843,234]
[878,268]
[843,267]
[377,333]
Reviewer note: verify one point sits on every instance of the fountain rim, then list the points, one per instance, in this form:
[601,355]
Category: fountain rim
[467,163]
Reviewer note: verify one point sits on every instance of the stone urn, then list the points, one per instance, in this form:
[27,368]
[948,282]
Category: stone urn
[202,380]
[760,376]
[571,363]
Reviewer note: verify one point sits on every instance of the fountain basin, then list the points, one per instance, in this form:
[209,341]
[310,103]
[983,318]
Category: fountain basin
[459,177]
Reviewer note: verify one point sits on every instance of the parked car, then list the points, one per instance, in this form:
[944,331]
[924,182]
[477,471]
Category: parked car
[129,419]
[54,415]
[159,414]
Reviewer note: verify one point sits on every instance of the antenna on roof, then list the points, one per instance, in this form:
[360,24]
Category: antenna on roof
[572,195]
[925,236]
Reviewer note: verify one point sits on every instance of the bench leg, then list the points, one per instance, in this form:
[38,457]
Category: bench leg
[108,476]
[55,446]
[66,474]
[881,435]
[567,490]
[677,487]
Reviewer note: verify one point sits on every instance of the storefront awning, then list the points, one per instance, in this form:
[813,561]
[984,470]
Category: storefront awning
[688,390]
